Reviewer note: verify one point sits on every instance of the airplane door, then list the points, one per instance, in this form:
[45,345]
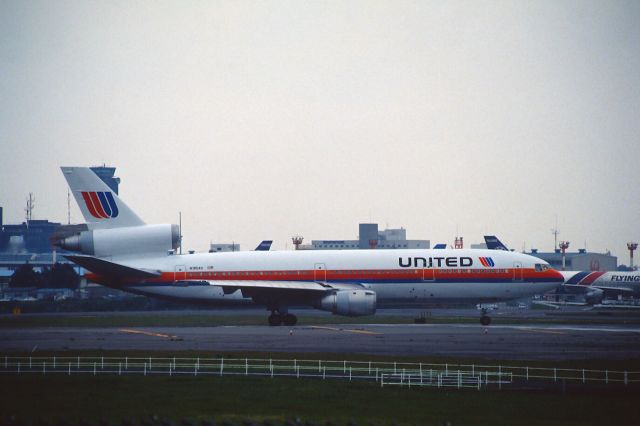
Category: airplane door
[517,271]
[180,273]
[428,274]
[320,272]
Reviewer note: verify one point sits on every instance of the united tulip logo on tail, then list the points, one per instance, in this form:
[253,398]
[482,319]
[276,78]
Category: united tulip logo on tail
[487,262]
[101,205]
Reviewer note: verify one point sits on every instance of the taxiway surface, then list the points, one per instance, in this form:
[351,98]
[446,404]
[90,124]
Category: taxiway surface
[514,342]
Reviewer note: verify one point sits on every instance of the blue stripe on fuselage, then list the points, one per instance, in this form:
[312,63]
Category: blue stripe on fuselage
[578,277]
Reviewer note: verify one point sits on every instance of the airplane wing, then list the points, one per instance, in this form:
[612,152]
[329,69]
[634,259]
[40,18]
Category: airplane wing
[613,289]
[600,287]
[309,286]
[267,289]
[275,285]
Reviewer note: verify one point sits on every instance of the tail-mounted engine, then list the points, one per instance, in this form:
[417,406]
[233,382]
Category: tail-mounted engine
[123,241]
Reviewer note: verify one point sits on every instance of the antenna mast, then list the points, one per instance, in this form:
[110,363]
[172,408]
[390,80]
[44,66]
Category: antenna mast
[555,233]
[29,209]
[68,207]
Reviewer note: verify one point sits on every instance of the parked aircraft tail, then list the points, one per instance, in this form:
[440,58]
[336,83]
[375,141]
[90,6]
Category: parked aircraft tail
[493,243]
[264,245]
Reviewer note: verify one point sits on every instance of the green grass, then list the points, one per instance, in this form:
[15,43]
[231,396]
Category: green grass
[258,399]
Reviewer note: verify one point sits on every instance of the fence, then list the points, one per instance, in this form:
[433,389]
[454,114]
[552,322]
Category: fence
[386,373]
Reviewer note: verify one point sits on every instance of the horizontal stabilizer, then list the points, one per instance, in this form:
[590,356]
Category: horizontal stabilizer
[111,269]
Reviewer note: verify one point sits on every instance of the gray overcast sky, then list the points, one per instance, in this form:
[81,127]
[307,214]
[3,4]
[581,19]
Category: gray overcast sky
[266,119]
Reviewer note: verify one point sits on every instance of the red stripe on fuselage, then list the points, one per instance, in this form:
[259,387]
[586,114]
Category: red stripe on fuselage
[380,275]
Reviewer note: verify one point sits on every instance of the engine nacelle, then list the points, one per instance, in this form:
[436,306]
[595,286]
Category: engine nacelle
[350,303]
[124,241]
[594,296]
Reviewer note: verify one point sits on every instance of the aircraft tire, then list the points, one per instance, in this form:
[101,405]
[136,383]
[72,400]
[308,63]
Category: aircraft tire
[290,320]
[485,320]
[275,319]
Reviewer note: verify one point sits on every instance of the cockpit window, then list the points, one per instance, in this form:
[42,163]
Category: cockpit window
[540,267]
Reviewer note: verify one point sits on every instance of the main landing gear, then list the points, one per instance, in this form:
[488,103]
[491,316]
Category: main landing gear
[485,319]
[277,318]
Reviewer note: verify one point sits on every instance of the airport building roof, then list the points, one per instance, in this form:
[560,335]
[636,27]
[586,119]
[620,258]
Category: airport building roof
[370,237]
[579,261]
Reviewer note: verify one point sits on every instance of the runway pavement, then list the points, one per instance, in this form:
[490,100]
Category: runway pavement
[513,342]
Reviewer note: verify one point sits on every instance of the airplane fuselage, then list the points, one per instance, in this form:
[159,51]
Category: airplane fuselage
[628,283]
[395,275]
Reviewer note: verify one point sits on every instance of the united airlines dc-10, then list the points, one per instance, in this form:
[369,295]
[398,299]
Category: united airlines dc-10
[121,251]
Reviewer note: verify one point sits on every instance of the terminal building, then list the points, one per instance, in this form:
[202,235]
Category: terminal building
[31,236]
[223,247]
[578,261]
[370,237]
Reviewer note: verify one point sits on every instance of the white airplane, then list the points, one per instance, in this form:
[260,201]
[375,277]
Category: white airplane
[123,252]
[596,285]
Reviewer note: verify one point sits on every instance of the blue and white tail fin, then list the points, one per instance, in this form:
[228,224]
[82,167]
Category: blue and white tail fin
[493,243]
[264,245]
[100,206]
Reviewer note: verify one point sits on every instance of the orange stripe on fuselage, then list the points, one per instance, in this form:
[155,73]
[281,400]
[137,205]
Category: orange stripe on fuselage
[382,275]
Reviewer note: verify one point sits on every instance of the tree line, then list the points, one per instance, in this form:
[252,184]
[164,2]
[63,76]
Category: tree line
[60,275]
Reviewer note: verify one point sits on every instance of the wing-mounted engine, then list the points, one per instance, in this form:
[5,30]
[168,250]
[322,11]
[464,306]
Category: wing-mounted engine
[594,296]
[349,302]
[123,241]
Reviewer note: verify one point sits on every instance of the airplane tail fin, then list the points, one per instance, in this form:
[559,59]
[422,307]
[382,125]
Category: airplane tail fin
[264,245]
[493,243]
[100,206]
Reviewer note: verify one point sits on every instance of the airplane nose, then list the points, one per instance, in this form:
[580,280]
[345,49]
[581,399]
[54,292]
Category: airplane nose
[556,276]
